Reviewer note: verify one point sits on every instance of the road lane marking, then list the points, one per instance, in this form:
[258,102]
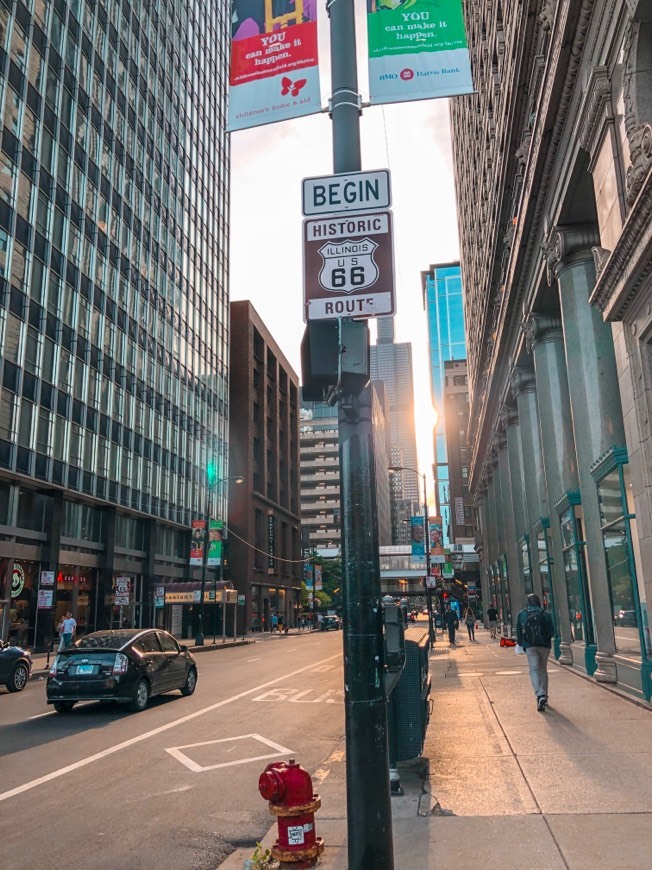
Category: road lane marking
[292,649]
[175,752]
[111,750]
[254,660]
[41,715]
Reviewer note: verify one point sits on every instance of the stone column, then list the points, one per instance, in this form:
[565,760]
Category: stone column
[546,340]
[481,546]
[510,422]
[536,503]
[597,412]
[499,528]
[514,574]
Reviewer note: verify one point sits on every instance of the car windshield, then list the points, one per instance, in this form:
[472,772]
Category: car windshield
[105,640]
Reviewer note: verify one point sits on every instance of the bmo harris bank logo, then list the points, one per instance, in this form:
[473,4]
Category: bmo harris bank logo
[405,75]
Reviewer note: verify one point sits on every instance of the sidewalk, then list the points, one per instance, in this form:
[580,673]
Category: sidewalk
[502,785]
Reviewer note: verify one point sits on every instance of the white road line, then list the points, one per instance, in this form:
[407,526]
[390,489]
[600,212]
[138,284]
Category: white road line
[292,649]
[41,715]
[254,660]
[55,774]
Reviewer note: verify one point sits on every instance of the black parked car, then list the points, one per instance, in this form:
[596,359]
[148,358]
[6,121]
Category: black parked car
[128,666]
[331,623]
[15,667]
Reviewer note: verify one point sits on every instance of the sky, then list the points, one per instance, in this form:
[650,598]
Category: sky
[268,163]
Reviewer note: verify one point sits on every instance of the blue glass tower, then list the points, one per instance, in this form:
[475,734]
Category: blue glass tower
[442,297]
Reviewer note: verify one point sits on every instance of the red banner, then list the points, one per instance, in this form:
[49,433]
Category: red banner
[274,62]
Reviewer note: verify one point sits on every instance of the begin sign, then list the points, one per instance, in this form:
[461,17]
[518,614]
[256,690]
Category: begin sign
[353,191]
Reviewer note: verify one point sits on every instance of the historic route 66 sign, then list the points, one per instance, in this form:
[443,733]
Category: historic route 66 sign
[348,266]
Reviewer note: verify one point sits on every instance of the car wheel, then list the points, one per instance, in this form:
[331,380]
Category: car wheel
[19,677]
[141,697]
[191,683]
[63,706]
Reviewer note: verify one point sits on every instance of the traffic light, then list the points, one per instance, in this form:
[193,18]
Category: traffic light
[211,472]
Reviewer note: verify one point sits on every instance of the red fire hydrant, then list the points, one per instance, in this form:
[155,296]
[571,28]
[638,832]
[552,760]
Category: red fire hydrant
[288,788]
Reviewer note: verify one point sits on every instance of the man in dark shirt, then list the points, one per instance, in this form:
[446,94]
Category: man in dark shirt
[492,616]
[451,622]
[534,632]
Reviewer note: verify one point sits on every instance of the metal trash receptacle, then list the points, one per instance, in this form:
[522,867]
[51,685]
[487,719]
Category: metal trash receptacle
[410,699]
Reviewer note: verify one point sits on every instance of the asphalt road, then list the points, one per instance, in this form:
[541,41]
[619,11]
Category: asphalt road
[177,785]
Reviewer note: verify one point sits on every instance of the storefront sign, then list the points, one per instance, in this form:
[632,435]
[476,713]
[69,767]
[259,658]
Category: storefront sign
[242,600]
[159,596]
[271,542]
[47,578]
[17,580]
[122,591]
[45,598]
[447,571]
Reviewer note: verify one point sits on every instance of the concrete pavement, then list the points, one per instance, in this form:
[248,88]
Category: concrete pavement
[502,785]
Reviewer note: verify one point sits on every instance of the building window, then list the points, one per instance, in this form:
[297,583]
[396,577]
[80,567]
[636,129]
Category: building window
[618,522]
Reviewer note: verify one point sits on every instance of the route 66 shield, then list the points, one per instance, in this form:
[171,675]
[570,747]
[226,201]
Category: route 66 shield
[348,265]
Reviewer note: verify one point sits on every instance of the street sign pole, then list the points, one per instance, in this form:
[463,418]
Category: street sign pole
[369,811]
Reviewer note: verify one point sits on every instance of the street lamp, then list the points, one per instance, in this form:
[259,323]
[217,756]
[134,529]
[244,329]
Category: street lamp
[211,483]
[431,630]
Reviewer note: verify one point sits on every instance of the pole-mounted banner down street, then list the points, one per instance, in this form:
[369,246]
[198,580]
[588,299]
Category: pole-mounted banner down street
[348,266]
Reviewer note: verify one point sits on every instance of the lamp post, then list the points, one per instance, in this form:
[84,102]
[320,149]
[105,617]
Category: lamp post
[431,631]
[211,483]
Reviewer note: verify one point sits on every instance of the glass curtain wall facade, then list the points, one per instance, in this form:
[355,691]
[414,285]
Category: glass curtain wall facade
[443,300]
[113,262]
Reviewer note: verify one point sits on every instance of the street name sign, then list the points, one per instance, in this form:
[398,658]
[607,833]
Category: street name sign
[347,192]
[348,266]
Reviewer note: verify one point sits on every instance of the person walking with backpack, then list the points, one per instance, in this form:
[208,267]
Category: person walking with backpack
[534,632]
[452,623]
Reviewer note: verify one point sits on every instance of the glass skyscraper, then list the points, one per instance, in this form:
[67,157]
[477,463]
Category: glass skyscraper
[442,295]
[113,297]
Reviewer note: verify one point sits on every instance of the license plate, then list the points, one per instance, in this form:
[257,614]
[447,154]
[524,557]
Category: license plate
[85,669]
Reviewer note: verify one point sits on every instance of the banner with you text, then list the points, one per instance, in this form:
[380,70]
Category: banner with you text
[274,65]
[417,50]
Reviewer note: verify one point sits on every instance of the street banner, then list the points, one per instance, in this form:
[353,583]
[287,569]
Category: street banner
[307,574]
[436,536]
[197,542]
[318,581]
[274,64]
[215,535]
[416,536]
[417,51]
[47,578]
[159,596]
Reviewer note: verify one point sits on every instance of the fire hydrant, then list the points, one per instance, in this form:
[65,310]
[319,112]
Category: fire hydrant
[288,788]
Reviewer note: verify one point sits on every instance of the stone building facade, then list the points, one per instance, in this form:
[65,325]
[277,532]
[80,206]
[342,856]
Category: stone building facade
[553,162]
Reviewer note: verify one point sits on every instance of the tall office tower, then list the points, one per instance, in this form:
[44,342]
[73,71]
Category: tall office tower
[320,477]
[320,473]
[113,301]
[456,410]
[442,298]
[391,362]
[264,551]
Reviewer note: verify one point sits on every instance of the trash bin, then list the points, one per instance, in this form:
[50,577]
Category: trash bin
[410,699]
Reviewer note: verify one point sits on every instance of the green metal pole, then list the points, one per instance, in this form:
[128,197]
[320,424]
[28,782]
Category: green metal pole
[199,639]
[365,704]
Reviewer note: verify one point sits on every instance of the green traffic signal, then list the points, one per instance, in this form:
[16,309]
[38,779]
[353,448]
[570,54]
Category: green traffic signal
[211,473]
